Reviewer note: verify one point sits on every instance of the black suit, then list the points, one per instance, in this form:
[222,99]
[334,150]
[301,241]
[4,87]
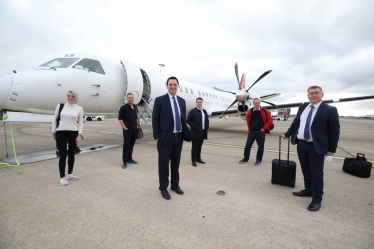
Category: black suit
[169,144]
[325,129]
[198,134]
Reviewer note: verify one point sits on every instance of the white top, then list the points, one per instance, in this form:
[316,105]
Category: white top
[179,109]
[68,118]
[303,118]
[203,116]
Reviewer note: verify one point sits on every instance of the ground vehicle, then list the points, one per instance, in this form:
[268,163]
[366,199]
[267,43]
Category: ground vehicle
[91,118]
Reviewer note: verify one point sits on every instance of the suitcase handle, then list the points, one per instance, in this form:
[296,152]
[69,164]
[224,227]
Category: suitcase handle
[288,152]
[360,155]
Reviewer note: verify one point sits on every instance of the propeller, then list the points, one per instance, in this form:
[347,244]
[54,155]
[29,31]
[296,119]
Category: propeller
[223,90]
[243,94]
[228,108]
[259,78]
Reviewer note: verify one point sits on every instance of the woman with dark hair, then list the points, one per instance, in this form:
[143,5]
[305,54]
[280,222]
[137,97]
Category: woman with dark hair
[65,131]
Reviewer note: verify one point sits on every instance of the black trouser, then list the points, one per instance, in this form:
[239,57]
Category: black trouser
[62,139]
[170,152]
[129,138]
[196,149]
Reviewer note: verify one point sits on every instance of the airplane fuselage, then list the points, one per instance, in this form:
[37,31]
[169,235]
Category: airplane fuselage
[40,89]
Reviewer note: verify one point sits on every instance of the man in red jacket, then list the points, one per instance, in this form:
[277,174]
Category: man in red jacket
[259,121]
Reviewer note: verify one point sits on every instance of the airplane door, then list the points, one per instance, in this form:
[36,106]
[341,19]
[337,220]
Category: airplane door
[5,85]
[134,80]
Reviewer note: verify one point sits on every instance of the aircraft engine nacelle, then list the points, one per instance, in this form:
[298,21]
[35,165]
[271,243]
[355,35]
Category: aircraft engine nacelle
[243,109]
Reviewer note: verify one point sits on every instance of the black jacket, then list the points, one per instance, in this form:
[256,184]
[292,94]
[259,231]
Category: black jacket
[194,120]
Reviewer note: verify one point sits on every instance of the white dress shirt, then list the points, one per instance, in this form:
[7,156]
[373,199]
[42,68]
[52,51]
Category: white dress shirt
[303,118]
[179,109]
[203,115]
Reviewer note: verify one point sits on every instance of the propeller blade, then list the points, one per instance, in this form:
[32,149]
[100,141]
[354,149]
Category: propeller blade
[260,78]
[270,96]
[222,90]
[236,72]
[242,82]
[228,108]
[269,103]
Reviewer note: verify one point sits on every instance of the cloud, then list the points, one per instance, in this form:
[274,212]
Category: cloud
[328,43]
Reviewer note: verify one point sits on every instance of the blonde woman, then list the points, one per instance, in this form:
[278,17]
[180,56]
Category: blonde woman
[65,131]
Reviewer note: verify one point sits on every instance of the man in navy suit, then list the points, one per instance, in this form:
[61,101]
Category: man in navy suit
[169,129]
[316,131]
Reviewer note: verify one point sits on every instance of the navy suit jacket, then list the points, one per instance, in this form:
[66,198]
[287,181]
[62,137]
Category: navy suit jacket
[163,121]
[325,128]
[195,120]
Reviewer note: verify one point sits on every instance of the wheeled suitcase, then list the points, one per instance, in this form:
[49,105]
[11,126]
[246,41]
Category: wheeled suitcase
[283,172]
[357,166]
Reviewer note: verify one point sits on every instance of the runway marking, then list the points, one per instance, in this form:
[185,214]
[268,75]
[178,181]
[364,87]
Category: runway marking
[277,151]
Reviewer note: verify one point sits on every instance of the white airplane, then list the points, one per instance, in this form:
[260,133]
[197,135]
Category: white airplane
[102,84]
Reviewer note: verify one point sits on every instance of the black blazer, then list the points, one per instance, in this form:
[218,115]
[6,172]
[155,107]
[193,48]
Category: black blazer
[194,120]
[325,128]
[163,121]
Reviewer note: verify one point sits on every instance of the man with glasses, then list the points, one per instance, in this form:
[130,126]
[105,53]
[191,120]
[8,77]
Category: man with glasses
[316,131]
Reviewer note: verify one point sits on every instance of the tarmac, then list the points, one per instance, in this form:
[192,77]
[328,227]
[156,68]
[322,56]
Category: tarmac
[111,207]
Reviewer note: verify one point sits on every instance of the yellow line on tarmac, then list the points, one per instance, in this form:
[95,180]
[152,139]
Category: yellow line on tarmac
[277,151]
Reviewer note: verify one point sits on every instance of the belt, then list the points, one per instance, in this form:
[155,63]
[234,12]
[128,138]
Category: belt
[177,133]
[305,141]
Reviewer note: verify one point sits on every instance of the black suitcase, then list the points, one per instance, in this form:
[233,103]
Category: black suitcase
[357,166]
[283,172]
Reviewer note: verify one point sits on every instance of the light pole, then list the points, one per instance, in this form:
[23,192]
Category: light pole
[161,65]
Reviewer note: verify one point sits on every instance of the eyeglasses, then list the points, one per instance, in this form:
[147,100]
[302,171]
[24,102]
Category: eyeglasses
[314,93]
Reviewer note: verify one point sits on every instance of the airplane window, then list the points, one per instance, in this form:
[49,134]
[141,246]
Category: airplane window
[186,89]
[180,89]
[91,66]
[191,90]
[210,95]
[60,62]
[199,93]
[207,94]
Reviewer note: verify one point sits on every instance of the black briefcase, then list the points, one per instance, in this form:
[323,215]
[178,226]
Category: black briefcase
[283,171]
[358,166]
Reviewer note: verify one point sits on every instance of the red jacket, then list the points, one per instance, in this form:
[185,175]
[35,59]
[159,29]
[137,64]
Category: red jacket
[268,120]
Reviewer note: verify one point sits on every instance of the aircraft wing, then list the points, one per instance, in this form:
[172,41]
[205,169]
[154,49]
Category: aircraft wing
[281,106]
[324,101]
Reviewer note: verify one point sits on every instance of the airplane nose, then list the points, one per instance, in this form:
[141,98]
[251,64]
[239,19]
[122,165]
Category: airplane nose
[5,86]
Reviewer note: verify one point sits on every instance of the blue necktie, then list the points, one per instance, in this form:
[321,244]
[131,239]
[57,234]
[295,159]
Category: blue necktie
[307,125]
[177,118]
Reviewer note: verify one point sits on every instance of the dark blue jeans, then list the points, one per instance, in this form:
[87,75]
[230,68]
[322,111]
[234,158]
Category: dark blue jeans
[129,138]
[312,167]
[259,136]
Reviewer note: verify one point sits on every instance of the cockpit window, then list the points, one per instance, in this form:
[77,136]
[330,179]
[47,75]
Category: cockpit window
[90,65]
[60,62]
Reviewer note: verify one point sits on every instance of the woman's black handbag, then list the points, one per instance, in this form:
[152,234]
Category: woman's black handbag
[140,133]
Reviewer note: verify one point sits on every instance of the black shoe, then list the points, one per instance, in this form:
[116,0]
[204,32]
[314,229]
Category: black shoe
[303,193]
[165,194]
[314,206]
[243,161]
[257,163]
[194,163]
[200,161]
[177,189]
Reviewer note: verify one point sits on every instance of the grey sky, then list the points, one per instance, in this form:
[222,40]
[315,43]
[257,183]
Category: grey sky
[329,43]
